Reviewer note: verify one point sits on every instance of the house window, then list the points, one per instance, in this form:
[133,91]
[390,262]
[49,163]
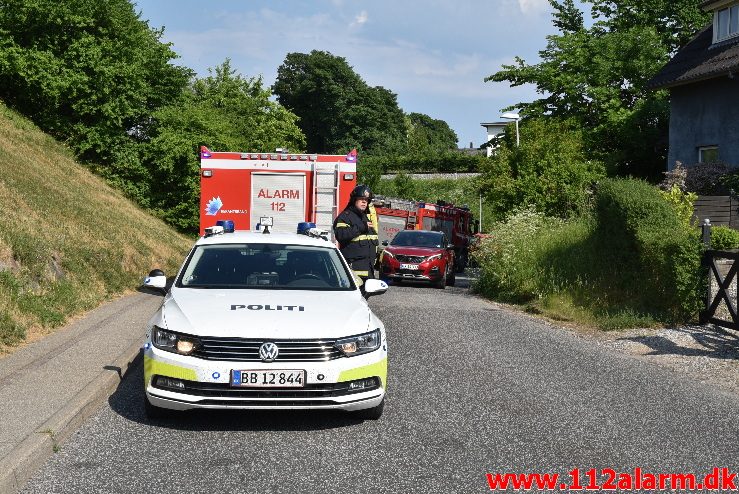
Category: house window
[726,23]
[708,154]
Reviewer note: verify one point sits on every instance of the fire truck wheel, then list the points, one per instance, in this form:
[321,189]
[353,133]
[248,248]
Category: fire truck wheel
[461,264]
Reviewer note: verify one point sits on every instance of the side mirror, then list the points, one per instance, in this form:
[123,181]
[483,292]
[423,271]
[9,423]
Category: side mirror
[156,279]
[374,287]
[450,247]
[385,243]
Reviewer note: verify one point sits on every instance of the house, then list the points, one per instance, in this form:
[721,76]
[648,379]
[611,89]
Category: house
[703,80]
[494,129]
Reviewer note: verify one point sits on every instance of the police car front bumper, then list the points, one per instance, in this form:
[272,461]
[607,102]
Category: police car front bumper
[180,383]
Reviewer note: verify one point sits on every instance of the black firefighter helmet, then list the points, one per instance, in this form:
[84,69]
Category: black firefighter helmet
[361,191]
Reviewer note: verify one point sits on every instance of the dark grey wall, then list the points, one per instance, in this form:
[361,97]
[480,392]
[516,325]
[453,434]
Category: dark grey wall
[704,114]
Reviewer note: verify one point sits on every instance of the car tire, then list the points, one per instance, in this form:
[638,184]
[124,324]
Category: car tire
[373,413]
[441,284]
[451,279]
[155,412]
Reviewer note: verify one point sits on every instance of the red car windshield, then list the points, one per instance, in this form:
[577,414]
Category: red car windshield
[418,238]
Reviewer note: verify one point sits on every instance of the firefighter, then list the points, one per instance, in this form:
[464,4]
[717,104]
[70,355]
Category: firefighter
[357,234]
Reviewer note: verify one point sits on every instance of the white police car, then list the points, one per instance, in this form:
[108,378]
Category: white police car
[255,321]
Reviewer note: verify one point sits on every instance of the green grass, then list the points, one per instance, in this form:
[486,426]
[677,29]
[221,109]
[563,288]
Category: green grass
[68,241]
[555,268]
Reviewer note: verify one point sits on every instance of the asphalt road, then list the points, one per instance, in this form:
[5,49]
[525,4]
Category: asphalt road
[473,389]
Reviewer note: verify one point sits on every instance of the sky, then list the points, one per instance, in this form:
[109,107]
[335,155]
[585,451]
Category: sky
[433,54]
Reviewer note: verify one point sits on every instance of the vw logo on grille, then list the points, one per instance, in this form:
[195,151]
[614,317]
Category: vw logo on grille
[268,352]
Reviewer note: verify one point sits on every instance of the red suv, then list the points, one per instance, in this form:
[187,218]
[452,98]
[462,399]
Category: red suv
[419,255]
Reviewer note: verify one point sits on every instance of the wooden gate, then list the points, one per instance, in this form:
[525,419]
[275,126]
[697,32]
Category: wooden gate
[721,280]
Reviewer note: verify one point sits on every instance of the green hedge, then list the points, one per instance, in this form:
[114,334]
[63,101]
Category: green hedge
[724,238]
[654,255]
[450,162]
[630,261]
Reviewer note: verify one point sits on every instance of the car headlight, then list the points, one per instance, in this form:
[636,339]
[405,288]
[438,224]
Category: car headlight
[357,345]
[433,258]
[388,253]
[173,342]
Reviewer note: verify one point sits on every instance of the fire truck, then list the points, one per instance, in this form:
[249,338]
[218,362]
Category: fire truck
[289,188]
[396,214]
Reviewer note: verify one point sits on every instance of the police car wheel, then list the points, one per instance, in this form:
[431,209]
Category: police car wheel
[373,413]
[154,412]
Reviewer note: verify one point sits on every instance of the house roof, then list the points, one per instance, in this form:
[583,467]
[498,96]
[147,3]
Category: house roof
[699,60]
[708,5]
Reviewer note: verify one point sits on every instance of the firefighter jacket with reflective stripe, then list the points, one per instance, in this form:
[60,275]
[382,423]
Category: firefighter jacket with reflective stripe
[357,241]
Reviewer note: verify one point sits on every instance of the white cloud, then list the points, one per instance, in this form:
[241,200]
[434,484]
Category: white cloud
[360,19]
[533,6]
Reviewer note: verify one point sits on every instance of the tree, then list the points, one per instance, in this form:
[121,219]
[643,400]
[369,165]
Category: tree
[598,76]
[675,21]
[336,107]
[224,111]
[429,136]
[89,72]
[549,170]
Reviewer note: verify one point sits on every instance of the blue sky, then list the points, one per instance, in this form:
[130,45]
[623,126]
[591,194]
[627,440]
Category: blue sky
[433,54]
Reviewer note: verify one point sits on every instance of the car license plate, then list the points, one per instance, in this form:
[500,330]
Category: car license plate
[279,378]
[409,266]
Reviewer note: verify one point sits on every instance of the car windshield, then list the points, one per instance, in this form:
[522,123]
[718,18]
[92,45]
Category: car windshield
[417,239]
[265,266]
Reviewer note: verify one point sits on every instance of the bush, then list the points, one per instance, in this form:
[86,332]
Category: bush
[701,178]
[640,231]
[509,259]
[724,238]
[682,202]
[634,260]
[549,169]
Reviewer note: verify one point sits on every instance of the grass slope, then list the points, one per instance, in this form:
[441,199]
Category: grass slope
[68,241]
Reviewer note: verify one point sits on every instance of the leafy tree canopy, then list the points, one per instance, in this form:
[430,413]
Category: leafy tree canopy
[89,72]
[337,109]
[224,111]
[549,169]
[597,76]
[429,136]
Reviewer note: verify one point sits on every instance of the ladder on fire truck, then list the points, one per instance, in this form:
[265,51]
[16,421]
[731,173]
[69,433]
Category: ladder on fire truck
[325,195]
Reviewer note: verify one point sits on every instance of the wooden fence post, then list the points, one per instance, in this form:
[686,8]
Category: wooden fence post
[706,228]
[706,231]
